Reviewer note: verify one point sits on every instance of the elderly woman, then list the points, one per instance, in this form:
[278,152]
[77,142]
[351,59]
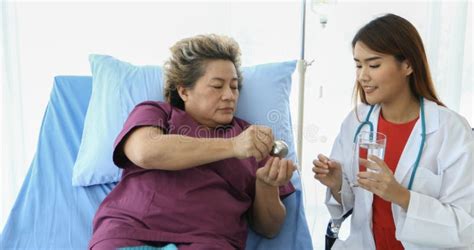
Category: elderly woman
[194,173]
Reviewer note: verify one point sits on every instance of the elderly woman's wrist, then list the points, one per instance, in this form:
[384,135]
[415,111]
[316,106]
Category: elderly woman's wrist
[263,184]
[231,147]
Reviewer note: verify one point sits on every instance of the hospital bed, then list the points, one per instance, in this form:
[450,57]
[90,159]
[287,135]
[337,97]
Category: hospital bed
[50,213]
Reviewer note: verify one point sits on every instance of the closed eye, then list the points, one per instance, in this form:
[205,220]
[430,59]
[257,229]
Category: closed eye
[371,66]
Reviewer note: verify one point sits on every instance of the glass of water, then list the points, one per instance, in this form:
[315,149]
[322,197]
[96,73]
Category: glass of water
[368,143]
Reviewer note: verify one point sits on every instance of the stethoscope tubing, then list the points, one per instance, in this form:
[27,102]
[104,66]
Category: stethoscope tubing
[423,137]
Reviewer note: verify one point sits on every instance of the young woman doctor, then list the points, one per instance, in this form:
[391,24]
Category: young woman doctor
[421,195]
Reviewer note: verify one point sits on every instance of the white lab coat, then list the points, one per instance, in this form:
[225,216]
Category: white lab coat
[440,212]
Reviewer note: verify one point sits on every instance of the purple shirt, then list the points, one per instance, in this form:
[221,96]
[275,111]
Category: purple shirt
[207,204]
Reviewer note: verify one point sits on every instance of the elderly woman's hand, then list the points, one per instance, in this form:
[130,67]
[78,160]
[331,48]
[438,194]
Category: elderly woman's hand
[276,172]
[256,141]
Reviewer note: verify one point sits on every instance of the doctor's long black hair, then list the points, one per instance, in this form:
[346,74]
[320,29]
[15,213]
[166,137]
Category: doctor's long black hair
[393,35]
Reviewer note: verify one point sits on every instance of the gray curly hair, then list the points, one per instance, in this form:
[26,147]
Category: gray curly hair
[188,61]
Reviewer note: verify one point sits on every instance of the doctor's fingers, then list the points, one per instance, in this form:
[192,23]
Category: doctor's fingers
[381,189]
[334,165]
[320,164]
[373,172]
[320,170]
[322,174]
[368,185]
[370,165]
[323,158]
[377,177]
[380,163]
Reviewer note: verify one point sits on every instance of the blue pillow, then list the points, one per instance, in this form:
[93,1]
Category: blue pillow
[118,86]
[265,99]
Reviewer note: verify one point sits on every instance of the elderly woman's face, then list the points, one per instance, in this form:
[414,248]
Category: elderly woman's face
[213,99]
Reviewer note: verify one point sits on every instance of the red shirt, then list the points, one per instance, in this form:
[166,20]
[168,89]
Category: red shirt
[382,220]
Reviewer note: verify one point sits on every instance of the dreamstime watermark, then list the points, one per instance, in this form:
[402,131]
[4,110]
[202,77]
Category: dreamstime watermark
[274,120]
[186,133]
[311,133]
[274,116]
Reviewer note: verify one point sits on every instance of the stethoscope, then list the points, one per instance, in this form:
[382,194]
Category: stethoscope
[423,135]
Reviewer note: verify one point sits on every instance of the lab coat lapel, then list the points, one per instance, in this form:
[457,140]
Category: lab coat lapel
[410,152]
[408,157]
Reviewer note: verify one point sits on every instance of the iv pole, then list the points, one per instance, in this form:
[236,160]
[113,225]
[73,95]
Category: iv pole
[302,65]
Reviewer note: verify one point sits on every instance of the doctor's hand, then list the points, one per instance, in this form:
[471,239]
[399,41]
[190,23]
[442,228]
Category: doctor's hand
[276,172]
[328,172]
[381,182]
[256,141]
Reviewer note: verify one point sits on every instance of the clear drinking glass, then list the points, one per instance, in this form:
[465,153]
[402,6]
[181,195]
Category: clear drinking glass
[367,143]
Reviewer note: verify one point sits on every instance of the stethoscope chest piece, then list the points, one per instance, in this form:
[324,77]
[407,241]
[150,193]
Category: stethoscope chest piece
[279,149]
